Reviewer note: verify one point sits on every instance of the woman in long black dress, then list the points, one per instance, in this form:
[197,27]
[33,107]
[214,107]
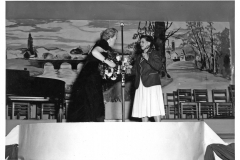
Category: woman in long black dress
[87,94]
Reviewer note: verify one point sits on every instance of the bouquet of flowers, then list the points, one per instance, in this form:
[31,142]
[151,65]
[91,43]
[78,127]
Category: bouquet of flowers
[108,72]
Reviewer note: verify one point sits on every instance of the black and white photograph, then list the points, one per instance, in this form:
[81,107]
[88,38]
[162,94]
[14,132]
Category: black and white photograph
[89,79]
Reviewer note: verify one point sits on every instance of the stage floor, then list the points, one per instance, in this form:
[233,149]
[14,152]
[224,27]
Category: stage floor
[225,128]
[43,140]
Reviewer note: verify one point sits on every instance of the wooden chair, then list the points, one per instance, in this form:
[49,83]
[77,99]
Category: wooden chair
[224,109]
[231,91]
[43,106]
[170,106]
[205,107]
[186,104]
[13,100]
[18,109]
[47,108]
[189,108]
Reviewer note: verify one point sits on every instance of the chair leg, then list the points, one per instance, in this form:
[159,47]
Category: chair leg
[167,112]
[66,111]
[41,111]
[198,111]
[175,112]
[59,117]
[233,109]
[7,107]
[181,113]
[18,115]
[216,109]
[29,111]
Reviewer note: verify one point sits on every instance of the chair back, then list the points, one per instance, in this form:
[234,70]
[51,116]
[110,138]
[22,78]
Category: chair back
[184,95]
[200,95]
[170,98]
[20,109]
[219,95]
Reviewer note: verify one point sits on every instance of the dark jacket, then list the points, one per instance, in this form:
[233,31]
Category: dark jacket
[148,70]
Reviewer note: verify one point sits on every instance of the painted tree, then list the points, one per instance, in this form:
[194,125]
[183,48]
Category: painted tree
[212,43]
[161,36]
[210,30]
[203,39]
[197,39]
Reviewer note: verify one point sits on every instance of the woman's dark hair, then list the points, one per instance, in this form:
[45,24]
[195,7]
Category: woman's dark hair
[149,39]
[108,33]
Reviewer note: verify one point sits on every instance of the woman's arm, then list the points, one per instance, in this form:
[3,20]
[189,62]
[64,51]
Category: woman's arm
[96,52]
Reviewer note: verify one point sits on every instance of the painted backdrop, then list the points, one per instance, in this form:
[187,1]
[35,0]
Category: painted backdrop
[195,54]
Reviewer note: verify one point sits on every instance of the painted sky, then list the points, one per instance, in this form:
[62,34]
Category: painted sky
[66,34]
[69,34]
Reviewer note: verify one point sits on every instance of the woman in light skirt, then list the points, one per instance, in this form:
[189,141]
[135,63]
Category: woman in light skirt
[148,100]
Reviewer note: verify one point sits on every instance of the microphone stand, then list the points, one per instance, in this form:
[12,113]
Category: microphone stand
[123,79]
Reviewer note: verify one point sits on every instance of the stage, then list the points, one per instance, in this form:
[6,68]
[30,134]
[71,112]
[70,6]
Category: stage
[224,128]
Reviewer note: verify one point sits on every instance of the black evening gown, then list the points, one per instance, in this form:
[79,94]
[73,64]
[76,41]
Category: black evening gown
[87,95]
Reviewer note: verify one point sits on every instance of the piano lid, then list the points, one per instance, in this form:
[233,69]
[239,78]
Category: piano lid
[19,82]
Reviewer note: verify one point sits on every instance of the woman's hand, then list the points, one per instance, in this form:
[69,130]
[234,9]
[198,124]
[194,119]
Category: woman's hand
[128,69]
[129,66]
[145,56]
[110,63]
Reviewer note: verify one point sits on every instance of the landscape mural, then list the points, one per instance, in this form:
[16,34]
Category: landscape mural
[195,54]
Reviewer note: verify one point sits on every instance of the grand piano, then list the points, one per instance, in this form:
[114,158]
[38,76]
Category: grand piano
[23,88]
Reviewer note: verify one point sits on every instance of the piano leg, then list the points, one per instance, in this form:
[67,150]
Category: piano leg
[60,112]
[65,108]
[41,114]
[29,111]
[13,109]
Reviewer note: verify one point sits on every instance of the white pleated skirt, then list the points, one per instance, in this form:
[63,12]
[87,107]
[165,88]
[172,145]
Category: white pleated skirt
[148,101]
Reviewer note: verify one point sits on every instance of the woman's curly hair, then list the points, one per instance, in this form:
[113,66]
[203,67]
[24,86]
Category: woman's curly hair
[108,33]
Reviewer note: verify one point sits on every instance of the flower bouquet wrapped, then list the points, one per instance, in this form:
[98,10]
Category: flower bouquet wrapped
[110,73]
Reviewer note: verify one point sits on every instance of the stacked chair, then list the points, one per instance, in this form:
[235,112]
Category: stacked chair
[48,109]
[205,107]
[18,109]
[224,108]
[185,103]
[195,103]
